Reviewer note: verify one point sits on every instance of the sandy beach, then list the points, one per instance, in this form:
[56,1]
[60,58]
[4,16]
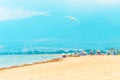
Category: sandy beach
[71,68]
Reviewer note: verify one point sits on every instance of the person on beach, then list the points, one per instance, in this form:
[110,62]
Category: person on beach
[77,54]
[83,53]
[107,52]
[99,52]
[64,55]
[91,52]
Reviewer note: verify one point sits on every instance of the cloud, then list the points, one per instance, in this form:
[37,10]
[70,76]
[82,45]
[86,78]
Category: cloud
[40,40]
[1,48]
[44,40]
[82,2]
[14,14]
[90,5]
[107,2]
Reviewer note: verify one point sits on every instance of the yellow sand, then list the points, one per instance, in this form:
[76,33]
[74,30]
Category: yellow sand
[72,68]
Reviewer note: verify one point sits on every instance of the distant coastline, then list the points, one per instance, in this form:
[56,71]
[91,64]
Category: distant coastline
[56,51]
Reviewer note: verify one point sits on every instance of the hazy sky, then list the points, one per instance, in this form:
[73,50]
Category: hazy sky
[84,21]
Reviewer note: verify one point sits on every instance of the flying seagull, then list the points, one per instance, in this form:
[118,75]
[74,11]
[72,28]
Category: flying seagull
[71,18]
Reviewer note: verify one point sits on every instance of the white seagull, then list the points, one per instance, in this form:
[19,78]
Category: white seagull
[71,18]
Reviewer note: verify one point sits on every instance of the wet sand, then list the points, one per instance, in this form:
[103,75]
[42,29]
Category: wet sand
[71,68]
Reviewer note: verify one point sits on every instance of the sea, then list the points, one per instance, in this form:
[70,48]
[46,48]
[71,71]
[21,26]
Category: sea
[17,60]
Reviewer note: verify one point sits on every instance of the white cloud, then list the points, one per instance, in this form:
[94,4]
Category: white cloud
[86,5]
[14,14]
[1,48]
[107,2]
[40,40]
[47,40]
[83,2]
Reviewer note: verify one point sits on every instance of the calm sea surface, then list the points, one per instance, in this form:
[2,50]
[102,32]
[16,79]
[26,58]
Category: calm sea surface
[13,60]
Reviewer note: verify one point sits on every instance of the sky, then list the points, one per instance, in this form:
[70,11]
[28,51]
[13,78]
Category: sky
[74,22]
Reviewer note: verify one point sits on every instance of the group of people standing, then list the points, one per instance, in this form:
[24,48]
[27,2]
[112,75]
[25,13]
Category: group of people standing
[91,52]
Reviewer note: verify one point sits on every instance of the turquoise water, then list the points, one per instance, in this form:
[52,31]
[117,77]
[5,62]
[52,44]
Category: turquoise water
[14,60]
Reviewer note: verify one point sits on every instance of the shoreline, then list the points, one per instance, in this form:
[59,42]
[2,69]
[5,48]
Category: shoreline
[39,62]
[49,61]
[41,58]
